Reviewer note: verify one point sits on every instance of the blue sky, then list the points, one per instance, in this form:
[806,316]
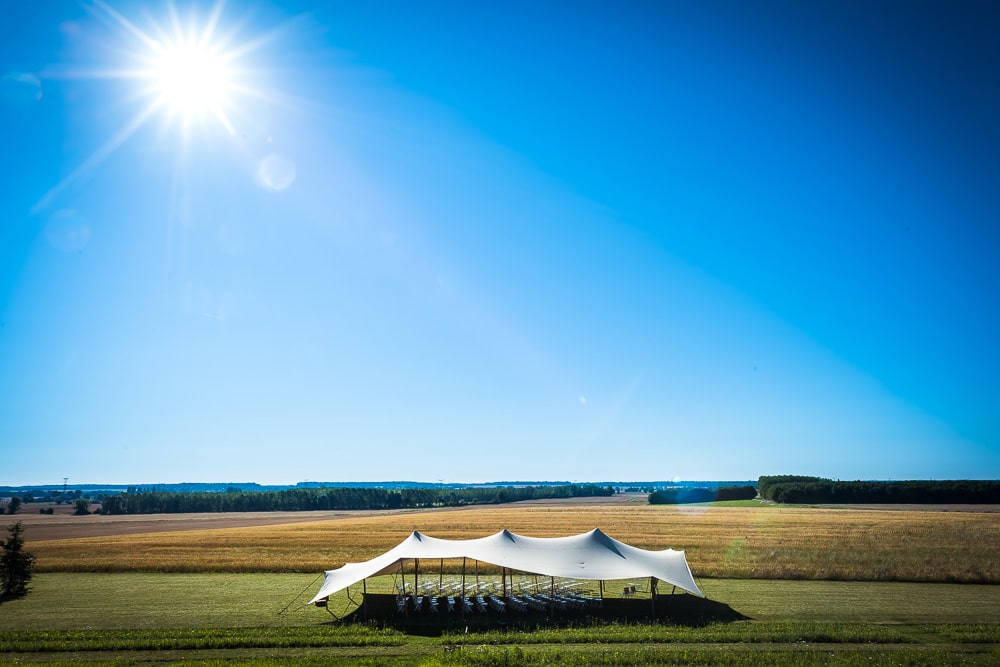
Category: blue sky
[442,241]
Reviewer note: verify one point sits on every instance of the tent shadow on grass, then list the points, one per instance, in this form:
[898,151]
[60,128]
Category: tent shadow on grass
[694,611]
[683,610]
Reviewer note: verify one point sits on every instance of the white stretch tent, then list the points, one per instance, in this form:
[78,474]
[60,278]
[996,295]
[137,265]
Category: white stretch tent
[591,555]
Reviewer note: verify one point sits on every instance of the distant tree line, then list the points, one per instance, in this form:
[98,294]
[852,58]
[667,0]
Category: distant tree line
[304,499]
[799,489]
[52,496]
[701,495]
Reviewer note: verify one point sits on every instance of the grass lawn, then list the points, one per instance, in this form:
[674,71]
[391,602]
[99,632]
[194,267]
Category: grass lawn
[857,601]
[135,600]
[226,618]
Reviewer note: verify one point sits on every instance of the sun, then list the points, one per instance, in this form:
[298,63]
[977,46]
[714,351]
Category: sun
[191,80]
[190,70]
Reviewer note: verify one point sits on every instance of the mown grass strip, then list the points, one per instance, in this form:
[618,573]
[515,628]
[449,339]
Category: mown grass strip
[360,636]
[265,661]
[734,633]
[973,633]
[502,656]
[575,655]
[40,641]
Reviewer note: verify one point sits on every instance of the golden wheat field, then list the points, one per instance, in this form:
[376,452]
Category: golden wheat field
[766,542]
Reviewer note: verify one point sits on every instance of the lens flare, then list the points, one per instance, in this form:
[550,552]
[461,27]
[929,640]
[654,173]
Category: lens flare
[275,173]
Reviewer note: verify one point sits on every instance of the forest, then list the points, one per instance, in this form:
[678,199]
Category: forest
[810,490]
[303,499]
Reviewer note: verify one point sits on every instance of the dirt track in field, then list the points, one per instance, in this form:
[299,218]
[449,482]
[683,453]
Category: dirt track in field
[56,527]
[63,525]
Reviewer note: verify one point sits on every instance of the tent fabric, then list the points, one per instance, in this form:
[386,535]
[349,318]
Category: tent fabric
[592,555]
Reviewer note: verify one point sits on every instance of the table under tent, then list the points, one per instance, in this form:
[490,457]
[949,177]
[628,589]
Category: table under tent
[506,575]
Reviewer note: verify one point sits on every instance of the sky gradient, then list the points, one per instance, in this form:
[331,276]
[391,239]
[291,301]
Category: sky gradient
[535,241]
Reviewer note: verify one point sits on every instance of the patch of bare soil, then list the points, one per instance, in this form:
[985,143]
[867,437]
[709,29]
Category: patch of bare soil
[39,527]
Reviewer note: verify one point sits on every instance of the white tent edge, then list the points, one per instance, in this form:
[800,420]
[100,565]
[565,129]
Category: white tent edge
[590,556]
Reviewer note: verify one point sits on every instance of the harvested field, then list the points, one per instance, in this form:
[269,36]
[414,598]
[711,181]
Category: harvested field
[901,507]
[765,542]
[39,527]
[64,525]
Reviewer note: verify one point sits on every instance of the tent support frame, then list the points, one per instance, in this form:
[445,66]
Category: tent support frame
[652,596]
[463,586]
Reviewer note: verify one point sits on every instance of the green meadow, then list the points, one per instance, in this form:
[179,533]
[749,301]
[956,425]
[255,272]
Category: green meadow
[212,618]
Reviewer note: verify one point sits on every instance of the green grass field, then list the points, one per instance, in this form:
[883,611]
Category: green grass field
[226,618]
[75,601]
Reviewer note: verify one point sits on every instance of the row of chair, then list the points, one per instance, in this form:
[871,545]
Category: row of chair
[483,604]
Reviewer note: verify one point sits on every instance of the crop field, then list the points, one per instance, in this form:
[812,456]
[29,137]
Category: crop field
[817,586]
[760,542]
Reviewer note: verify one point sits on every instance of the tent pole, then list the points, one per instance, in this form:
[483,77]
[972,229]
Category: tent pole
[402,590]
[600,588]
[503,582]
[463,577]
[416,583]
[441,577]
[364,599]
[652,595]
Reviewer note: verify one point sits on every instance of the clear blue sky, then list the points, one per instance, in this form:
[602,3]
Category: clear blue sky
[484,241]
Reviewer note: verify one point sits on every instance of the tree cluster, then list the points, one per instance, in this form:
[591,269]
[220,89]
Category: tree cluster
[766,482]
[153,502]
[13,505]
[680,496]
[16,565]
[810,490]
